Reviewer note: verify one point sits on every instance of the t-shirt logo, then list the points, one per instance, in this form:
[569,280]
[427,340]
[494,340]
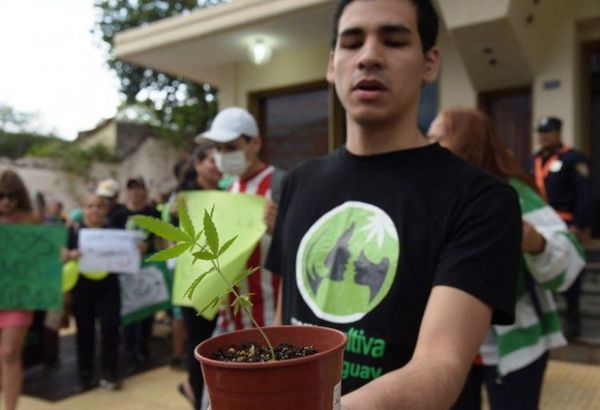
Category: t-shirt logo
[347,261]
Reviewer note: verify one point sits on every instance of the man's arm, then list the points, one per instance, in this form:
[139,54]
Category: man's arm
[452,330]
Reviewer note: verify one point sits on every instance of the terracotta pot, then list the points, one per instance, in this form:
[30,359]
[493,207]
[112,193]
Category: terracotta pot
[311,383]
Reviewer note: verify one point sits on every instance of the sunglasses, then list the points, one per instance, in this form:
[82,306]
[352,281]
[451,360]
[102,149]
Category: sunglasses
[9,195]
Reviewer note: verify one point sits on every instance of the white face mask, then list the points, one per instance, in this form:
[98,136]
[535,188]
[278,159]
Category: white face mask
[231,163]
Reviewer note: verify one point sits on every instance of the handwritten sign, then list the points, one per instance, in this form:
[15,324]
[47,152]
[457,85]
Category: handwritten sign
[144,294]
[109,250]
[30,266]
[235,214]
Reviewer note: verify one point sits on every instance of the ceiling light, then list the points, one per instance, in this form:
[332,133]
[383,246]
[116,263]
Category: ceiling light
[260,52]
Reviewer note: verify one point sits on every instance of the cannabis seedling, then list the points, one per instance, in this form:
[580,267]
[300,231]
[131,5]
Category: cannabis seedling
[204,245]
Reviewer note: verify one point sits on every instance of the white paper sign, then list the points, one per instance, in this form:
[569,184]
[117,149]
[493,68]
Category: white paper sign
[109,250]
[143,290]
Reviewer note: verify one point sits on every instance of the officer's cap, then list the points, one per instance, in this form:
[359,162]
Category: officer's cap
[548,124]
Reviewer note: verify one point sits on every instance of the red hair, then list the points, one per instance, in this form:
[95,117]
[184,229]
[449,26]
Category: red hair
[474,139]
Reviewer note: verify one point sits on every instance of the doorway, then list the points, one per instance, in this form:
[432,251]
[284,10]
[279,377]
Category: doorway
[294,123]
[510,111]
[592,68]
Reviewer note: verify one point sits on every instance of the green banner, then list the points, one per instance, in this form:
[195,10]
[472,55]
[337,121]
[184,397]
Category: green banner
[145,293]
[235,214]
[30,266]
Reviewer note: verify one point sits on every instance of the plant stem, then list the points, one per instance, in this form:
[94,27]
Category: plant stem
[217,267]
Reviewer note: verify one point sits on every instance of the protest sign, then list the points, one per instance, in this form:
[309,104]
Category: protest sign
[109,250]
[235,215]
[144,294]
[30,266]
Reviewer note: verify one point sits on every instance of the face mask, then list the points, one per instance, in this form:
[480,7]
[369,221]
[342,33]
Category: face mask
[231,163]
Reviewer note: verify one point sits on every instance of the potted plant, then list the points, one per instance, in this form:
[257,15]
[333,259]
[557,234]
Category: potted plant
[279,367]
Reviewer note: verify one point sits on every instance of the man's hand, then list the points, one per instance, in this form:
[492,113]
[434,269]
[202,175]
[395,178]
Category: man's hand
[270,215]
[533,242]
[143,247]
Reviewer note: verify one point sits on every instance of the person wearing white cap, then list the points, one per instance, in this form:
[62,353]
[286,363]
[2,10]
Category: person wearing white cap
[237,146]
[109,189]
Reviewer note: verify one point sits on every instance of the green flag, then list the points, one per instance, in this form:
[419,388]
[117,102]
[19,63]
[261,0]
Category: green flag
[30,266]
[235,215]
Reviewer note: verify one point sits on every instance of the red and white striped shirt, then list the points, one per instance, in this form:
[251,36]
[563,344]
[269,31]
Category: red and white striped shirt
[262,284]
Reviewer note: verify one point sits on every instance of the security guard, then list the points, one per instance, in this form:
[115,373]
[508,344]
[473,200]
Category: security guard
[562,176]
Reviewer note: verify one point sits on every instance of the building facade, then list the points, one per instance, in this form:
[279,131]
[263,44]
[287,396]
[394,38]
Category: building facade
[516,59]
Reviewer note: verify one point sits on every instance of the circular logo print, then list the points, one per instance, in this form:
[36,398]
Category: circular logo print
[347,261]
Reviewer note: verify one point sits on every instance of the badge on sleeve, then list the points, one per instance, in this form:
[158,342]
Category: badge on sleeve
[583,169]
[556,165]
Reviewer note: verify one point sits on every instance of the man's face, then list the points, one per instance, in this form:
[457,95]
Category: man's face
[549,139]
[249,146]
[137,195]
[378,66]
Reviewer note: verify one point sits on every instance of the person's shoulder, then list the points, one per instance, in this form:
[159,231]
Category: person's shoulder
[574,156]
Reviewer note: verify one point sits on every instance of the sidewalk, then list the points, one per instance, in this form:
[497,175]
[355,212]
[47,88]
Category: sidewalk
[568,386]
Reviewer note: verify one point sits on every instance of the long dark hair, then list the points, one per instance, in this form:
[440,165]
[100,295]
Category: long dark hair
[475,140]
[10,182]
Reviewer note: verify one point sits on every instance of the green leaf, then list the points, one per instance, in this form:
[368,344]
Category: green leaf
[169,253]
[196,282]
[199,235]
[204,255]
[184,218]
[160,228]
[241,301]
[245,273]
[212,238]
[226,245]
[212,303]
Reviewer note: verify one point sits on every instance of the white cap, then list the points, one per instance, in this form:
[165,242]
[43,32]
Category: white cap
[229,124]
[108,188]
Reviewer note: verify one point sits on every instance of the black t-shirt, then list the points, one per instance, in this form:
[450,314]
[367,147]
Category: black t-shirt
[122,220]
[361,240]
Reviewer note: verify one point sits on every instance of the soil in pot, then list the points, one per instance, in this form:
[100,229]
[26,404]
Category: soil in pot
[254,352]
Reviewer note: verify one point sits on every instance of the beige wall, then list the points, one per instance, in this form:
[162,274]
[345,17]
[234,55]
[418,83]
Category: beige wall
[285,69]
[105,136]
[153,160]
[456,88]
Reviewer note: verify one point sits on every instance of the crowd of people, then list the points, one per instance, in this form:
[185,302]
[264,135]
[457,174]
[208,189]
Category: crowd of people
[457,249]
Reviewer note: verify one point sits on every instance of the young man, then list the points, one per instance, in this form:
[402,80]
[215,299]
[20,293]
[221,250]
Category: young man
[238,142]
[562,175]
[399,243]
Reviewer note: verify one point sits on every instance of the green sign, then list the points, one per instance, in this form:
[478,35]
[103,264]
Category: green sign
[235,215]
[30,266]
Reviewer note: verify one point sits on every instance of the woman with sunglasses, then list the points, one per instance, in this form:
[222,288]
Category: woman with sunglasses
[15,208]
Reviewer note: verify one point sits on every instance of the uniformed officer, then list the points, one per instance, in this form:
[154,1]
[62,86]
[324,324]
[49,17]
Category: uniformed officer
[562,176]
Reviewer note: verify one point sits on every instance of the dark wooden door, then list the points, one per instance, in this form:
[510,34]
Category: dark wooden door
[510,110]
[294,123]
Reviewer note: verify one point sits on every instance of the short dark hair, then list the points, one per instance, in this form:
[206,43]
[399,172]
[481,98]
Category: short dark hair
[427,22]
[202,151]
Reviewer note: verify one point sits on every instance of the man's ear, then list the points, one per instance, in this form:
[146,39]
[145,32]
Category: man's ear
[432,65]
[330,70]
